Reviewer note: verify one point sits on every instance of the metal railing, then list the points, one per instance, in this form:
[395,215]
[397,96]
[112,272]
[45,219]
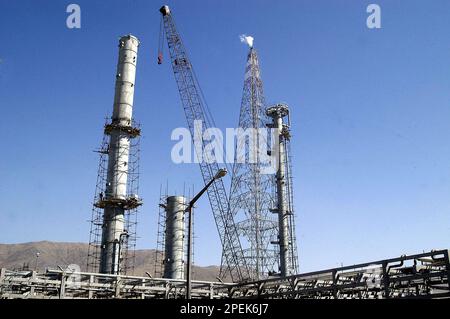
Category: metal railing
[425,275]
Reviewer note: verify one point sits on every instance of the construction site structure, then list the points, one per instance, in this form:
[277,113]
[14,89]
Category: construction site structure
[196,109]
[251,194]
[174,237]
[116,199]
[284,206]
[425,275]
[170,262]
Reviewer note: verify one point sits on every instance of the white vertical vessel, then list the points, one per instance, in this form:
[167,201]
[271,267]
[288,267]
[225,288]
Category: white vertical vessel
[116,201]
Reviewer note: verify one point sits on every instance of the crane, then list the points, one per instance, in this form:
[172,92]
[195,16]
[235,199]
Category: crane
[196,109]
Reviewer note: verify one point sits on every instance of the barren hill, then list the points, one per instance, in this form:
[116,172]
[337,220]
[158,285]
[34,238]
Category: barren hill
[53,254]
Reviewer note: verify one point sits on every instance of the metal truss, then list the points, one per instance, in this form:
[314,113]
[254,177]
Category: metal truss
[251,193]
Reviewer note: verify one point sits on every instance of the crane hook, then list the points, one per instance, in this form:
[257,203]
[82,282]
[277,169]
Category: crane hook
[160,58]
[161,42]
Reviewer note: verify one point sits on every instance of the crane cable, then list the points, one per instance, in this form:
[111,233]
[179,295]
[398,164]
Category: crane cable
[161,41]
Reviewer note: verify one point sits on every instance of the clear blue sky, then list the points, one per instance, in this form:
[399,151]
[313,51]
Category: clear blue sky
[370,111]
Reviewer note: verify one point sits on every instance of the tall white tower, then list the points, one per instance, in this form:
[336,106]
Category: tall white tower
[115,198]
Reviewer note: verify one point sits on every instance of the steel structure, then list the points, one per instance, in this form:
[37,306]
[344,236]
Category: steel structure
[161,236]
[425,275]
[59,284]
[116,200]
[284,206]
[251,194]
[195,109]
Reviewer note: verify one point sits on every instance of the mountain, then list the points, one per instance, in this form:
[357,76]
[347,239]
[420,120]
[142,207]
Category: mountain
[54,254]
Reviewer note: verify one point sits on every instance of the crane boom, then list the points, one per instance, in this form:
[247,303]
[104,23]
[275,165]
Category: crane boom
[194,109]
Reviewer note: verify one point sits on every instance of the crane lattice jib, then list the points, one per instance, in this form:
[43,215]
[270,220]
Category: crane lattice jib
[194,109]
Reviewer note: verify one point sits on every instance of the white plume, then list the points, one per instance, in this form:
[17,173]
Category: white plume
[247,39]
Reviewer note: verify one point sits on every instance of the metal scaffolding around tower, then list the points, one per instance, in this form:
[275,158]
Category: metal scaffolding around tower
[252,184]
[130,217]
[116,201]
[160,236]
[171,243]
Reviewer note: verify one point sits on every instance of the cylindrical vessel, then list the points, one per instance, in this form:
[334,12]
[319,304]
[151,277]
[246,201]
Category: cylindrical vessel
[113,233]
[125,80]
[174,237]
[277,113]
[283,220]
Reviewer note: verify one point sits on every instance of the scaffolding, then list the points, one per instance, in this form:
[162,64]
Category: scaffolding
[160,257]
[130,204]
[160,237]
[293,253]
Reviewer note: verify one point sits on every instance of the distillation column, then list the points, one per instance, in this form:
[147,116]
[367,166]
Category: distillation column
[115,200]
[277,113]
[174,237]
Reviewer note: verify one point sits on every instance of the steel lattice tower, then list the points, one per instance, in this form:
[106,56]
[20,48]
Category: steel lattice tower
[251,195]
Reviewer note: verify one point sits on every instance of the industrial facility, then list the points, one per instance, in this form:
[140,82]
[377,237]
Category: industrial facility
[255,217]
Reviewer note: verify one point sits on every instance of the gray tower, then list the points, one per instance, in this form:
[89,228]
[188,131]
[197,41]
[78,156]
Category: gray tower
[284,199]
[115,199]
[174,237]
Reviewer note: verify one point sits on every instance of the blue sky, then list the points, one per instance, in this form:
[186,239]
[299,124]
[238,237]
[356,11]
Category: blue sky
[370,113]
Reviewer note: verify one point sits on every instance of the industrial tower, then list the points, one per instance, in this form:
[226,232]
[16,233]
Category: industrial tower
[113,234]
[252,186]
[174,236]
[283,205]
[171,241]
